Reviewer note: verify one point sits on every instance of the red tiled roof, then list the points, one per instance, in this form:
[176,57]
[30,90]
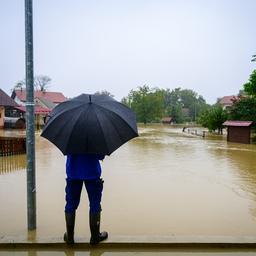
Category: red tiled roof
[5,100]
[38,109]
[227,100]
[55,97]
[238,123]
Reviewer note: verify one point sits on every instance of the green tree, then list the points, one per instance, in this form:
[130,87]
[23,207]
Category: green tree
[174,106]
[243,109]
[204,118]
[250,86]
[193,102]
[152,104]
[147,103]
[104,92]
[213,118]
[183,105]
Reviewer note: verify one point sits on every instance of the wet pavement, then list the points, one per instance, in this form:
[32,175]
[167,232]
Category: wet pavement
[125,253]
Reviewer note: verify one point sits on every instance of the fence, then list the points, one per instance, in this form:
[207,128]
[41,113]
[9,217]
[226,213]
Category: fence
[12,163]
[12,146]
[194,132]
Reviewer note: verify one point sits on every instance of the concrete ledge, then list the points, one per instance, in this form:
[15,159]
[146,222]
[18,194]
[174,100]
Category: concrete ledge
[134,242]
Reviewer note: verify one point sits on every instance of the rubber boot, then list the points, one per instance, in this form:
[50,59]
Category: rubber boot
[70,224]
[96,236]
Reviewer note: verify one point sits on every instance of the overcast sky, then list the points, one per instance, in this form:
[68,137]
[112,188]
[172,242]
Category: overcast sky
[88,46]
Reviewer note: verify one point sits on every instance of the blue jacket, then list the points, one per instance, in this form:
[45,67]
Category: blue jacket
[83,166]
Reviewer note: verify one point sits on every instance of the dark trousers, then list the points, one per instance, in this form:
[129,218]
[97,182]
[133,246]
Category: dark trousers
[73,192]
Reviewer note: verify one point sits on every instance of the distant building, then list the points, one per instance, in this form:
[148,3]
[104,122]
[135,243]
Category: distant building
[44,103]
[239,131]
[227,101]
[54,97]
[167,120]
[7,104]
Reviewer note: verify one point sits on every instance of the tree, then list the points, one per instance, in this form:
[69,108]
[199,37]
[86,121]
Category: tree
[250,86]
[104,92]
[213,118]
[151,104]
[173,105]
[183,105]
[243,109]
[147,103]
[19,85]
[193,102]
[41,83]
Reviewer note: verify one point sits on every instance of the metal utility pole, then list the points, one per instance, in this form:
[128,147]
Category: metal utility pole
[30,119]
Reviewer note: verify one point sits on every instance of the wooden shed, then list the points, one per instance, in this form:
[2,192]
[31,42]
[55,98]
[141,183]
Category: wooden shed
[239,131]
[167,120]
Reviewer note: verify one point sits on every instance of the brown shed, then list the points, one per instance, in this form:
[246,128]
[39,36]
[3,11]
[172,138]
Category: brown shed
[167,120]
[239,131]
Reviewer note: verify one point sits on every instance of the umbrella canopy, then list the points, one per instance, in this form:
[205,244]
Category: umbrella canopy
[90,124]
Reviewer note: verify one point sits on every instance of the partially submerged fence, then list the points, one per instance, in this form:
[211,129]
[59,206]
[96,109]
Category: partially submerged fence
[12,163]
[194,131]
[12,146]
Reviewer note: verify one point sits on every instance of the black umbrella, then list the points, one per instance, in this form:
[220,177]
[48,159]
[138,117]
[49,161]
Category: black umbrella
[90,124]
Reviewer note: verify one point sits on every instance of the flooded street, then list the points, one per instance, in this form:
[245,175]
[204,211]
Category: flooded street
[164,182]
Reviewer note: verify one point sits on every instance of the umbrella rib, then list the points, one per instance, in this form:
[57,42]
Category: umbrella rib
[107,108]
[113,124]
[75,126]
[50,123]
[116,129]
[63,110]
[100,127]
[59,114]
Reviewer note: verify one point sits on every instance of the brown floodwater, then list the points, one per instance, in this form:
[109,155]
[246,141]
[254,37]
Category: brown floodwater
[164,182]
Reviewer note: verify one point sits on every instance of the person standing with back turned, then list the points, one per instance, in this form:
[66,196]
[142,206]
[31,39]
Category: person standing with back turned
[84,169]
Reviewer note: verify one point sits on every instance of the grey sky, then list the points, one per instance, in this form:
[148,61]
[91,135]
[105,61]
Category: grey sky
[87,46]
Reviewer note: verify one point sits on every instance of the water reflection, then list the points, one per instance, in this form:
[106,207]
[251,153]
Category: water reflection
[241,159]
[12,163]
[32,253]
[91,252]
[129,252]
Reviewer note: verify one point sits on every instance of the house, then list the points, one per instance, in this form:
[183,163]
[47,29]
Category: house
[7,104]
[40,114]
[44,103]
[239,131]
[227,101]
[54,97]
